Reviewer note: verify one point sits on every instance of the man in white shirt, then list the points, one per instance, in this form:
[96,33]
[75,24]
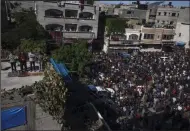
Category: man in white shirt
[32,57]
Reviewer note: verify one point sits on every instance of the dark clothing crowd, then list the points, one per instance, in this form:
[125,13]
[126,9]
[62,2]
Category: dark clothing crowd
[22,58]
[151,88]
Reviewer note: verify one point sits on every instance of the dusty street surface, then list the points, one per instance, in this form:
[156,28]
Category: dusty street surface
[8,83]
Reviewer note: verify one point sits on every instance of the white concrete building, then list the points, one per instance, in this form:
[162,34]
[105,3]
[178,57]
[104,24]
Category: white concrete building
[132,34]
[182,34]
[183,28]
[120,43]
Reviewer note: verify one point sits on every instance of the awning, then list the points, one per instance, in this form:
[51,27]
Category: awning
[180,43]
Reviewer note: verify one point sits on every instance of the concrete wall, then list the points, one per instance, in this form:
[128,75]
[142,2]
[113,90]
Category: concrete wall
[151,14]
[136,13]
[184,31]
[42,6]
[184,16]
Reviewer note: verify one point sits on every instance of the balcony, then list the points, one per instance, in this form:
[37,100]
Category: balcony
[123,42]
[78,35]
[86,16]
[71,14]
[70,27]
[54,27]
[53,13]
[77,6]
[85,28]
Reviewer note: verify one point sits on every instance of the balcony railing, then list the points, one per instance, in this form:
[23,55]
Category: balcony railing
[48,16]
[83,35]
[124,42]
[71,17]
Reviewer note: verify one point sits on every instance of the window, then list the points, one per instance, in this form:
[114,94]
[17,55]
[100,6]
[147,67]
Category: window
[179,34]
[158,36]
[169,14]
[178,15]
[173,14]
[158,21]
[163,22]
[129,12]
[167,37]
[150,10]
[148,36]
[171,22]
[165,13]
[159,13]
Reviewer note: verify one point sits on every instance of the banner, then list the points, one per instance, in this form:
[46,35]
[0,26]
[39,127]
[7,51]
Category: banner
[13,117]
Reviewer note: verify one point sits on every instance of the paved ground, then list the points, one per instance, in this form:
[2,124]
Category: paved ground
[8,83]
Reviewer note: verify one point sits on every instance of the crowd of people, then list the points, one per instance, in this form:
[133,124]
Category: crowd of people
[22,58]
[148,84]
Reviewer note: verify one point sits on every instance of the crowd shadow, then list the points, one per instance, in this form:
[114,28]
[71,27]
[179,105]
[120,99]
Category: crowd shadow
[78,111]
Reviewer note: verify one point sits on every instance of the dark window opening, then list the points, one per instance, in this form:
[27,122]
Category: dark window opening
[179,34]
[129,12]
[85,28]
[54,27]
[167,37]
[165,13]
[173,14]
[148,36]
[86,15]
[53,13]
[171,22]
[71,27]
[71,13]
[159,13]
[133,37]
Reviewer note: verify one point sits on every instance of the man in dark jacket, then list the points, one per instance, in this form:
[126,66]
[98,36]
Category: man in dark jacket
[23,61]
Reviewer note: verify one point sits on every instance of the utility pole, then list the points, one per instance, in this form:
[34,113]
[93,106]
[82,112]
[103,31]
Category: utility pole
[162,38]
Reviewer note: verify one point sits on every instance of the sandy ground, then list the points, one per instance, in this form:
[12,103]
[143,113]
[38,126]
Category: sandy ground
[8,83]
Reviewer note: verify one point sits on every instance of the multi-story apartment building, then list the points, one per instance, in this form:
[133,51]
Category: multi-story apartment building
[167,15]
[162,15]
[157,36]
[152,12]
[133,14]
[72,20]
[183,27]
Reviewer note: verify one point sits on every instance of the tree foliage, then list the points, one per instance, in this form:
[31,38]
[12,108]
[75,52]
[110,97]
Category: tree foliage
[26,27]
[51,93]
[115,26]
[31,45]
[77,55]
